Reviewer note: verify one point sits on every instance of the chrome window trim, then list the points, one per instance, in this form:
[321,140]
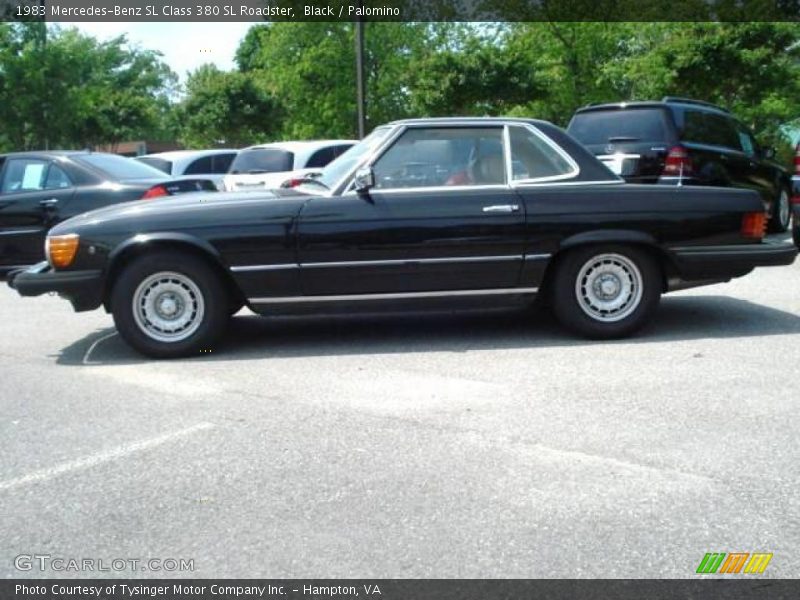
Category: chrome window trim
[509,162]
[346,182]
[393,296]
[381,150]
[531,183]
[576,169]
[435,188]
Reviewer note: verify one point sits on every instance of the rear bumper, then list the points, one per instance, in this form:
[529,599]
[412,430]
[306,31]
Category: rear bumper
[726,262]
[84,289]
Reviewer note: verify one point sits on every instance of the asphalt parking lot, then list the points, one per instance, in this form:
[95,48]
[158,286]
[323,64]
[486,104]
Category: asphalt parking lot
[475,445]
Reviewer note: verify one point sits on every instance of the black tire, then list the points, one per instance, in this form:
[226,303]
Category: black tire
[635,273]
[185,281]
[781,216]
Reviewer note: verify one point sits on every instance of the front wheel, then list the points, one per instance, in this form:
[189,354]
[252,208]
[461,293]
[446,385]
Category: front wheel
[606,292]
[169,305]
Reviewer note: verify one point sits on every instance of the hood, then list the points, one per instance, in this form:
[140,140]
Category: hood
[176,208]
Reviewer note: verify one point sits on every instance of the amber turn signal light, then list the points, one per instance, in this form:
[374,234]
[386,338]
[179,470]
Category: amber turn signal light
[61,249]
[754,225]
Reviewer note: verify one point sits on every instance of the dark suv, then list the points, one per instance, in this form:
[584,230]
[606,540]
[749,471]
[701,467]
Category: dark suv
[684,142]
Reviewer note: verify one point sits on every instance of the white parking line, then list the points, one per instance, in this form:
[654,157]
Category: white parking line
[99,458]
[93,346]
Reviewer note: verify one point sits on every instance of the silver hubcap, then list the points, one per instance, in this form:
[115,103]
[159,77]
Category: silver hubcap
[609,287]
[168,306]
[783,209]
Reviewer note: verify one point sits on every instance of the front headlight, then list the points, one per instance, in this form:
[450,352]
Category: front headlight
[61,249]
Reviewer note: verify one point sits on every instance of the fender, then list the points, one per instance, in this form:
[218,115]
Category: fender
[609,236]
[143,239]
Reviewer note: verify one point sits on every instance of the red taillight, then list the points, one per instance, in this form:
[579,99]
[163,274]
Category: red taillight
[754,224]
[290,183]
[678,162]
[797,160]
[155,192]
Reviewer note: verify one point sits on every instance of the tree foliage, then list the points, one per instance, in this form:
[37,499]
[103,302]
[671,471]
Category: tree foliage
[59,88]
[297,80]
[226,109]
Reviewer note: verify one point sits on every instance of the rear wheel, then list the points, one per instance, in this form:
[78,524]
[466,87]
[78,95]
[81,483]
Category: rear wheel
[169,305]
[781,213]
[606,292]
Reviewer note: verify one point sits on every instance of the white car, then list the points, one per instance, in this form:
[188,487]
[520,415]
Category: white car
[268,166]
[210,163]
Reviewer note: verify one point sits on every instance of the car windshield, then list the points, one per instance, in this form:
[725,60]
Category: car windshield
[262,160]
[159,163]
[119,167]
[331,174]
[628,125]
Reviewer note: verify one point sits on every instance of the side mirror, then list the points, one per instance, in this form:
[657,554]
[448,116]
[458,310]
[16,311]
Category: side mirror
[364,180]
[768,153]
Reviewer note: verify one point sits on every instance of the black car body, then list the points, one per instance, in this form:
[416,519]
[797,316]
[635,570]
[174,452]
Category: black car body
[796,197]
[796,210]
[431,212]
[40,189]
[685,142]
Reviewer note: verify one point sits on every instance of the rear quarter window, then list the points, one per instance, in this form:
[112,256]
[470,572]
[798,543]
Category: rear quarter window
[199,166]
[598,127]
[158,163]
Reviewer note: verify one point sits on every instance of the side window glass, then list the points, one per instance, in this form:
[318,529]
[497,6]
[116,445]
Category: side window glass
[24,175]
[533,158]
[57,179]
[443,156]
[339,150]
[222,162]
[199,166]
[694,127]
[320,158]
[710,128]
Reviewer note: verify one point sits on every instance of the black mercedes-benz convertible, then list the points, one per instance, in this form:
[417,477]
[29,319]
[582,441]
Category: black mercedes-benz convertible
[422,213]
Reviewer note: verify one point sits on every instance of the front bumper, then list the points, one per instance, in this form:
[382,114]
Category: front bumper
[84,289]
[726,262]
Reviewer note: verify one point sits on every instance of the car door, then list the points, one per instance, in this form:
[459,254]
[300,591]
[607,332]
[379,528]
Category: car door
[440,217]
[31,190]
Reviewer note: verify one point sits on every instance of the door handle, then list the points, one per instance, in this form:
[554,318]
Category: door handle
[50,202]
[501,208]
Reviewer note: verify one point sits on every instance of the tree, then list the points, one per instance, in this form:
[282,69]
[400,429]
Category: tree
[226,108]
[59,88]
[753,69]
[310,67]
[472,72]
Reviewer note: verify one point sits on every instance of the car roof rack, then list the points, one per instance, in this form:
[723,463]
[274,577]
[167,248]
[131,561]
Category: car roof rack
[691,101]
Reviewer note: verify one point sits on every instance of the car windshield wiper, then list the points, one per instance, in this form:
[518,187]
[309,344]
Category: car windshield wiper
[623,138]
[257,171]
